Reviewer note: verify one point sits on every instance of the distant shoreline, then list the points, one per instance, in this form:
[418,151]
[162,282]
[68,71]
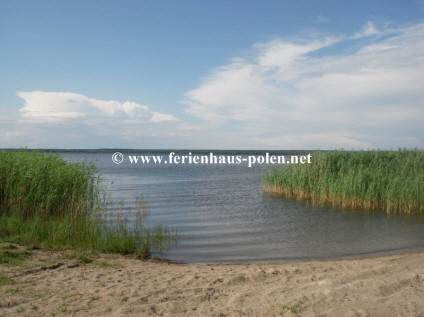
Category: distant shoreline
[161,151]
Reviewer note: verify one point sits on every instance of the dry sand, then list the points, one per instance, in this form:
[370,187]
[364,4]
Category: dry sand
[121,286]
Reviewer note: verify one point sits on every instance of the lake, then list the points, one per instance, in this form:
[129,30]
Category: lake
[222,214]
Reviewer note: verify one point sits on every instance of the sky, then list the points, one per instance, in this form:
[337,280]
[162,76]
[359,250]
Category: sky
[189,74]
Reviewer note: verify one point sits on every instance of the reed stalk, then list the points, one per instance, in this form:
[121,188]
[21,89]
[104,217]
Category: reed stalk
[392,181]
[48,202]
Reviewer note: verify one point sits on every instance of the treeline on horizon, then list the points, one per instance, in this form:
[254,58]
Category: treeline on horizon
[165,151]
[186,151]
[390,181]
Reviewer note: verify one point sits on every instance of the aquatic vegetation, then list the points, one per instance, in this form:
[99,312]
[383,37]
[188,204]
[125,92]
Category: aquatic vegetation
[392,181]
[48,202]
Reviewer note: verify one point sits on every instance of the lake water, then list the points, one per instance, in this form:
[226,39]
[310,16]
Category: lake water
[222,214]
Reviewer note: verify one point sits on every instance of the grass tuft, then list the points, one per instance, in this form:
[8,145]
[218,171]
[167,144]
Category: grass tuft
[5,280]
[11,257]
[80,256]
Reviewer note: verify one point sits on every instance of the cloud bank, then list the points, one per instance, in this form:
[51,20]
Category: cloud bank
[71,120]
[355,91]
[62,106]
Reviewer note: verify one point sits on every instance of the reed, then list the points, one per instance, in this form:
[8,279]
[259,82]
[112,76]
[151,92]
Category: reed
[43,184]
[392,181]
[48,202]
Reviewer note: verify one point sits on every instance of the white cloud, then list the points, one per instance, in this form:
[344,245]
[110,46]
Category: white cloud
[361,90]
[162,117]
[223,89]
[368,29]
[279,53]
[53,106]
[322,93]
[71,120]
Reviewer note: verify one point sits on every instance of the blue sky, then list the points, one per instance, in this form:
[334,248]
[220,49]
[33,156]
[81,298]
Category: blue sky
[212,74]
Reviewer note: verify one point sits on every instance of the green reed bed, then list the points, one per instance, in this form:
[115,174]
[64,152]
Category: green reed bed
[48,202]
[392,181]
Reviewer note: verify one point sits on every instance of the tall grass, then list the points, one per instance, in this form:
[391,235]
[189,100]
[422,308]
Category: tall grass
[35,183]
[392,181]
[48,202]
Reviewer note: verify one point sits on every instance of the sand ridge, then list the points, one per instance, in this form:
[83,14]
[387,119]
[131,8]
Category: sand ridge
[122,286]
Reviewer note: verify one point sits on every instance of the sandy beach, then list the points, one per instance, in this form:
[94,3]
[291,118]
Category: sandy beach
[50,283]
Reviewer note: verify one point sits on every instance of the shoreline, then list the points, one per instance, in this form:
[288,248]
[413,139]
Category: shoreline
[52,283]
[360,256]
